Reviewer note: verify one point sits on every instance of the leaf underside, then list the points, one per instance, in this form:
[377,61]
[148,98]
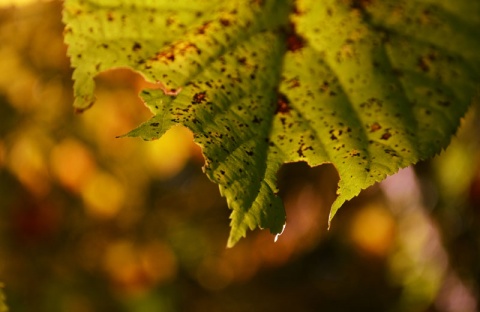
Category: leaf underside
[369,86]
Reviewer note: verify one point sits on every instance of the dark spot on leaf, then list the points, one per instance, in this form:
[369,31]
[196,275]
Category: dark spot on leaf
[390,152]
[136,47]
[360,4]
[324,87]
[282,104]
[295,42]
[386,136]
[154,124]
[166,55]
[169,21]
[432,56]
[201,30]
[242,60]
[293,83]
[199,97]
[444,103]
[300,151]
[424,64]
[397,73]
[333,136]
[375,127]
[225,22]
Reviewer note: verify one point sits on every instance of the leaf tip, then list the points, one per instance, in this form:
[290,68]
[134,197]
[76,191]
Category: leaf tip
[232,241]
[82,103]
[333,211]
[280,233]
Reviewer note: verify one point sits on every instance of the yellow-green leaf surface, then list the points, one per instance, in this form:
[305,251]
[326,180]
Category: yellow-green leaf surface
[369,86]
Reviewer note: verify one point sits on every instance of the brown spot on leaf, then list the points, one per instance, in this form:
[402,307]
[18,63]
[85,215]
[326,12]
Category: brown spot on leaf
[293,83]
[375,127]
[167,55]
[324,87]
[360,4]
[300,151]
[242,60]
[354,153]
[295,42]
[257,120]
[199,97]
[282,104]
[179,49]
[136,47]
[169,21]
[424,64]
[386,136]
[201,30]
[225,22]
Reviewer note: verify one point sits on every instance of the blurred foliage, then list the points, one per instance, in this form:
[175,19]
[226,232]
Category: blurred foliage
[3,306]
[93,223]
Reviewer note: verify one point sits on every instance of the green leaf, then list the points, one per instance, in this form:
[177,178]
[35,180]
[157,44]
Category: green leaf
[369,86]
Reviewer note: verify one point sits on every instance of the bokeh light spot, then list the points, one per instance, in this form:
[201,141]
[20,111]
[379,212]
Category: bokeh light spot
[373,230]
[103,195]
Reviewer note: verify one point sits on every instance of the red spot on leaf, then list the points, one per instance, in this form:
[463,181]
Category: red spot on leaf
[282,104]
[295,42]
[199,97]
[386,136]
[375,127]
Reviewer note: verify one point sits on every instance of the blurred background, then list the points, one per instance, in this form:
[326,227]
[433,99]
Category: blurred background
[89,222]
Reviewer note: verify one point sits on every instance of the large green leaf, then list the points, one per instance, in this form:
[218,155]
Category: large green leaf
[369,86]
